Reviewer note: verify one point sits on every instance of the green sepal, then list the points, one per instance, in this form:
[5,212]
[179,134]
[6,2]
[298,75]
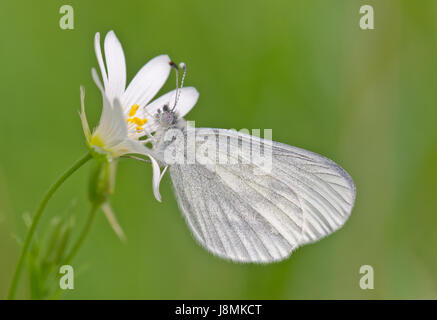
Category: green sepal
[102,180]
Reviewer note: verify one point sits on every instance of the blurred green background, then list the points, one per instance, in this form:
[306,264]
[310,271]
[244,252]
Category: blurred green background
[366,99]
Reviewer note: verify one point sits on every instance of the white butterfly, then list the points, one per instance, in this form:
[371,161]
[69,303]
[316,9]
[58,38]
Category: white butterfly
[245,216]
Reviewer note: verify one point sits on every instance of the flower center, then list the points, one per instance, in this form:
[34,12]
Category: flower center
[135,120]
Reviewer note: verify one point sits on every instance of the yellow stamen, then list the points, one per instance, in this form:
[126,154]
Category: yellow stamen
[133,110]
[139,122]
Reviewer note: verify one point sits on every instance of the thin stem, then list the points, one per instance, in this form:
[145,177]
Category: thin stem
[84,233]
[37,217]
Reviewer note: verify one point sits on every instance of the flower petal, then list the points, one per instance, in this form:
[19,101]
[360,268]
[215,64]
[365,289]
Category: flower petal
[118,127]
[98,51]
[157,176]
[129,146]
[112,128]
[187,99]
[82,114]
[147,82]
[116,66]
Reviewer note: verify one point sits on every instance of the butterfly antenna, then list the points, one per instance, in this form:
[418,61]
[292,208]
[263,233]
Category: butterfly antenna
[183,66]
[174,66]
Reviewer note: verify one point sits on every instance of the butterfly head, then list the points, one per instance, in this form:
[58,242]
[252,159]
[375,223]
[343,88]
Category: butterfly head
[166,117]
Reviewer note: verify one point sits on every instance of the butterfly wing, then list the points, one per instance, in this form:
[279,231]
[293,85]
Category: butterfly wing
[245,213]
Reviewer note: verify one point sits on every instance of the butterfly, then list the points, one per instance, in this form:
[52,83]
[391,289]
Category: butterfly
[241,209]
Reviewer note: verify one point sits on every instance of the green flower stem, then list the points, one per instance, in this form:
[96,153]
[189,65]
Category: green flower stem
[84,233]
[37,217]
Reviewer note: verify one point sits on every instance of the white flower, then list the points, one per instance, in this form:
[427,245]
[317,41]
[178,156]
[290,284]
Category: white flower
[127,115]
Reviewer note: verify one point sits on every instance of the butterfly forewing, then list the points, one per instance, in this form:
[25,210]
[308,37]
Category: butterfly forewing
[246,212]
